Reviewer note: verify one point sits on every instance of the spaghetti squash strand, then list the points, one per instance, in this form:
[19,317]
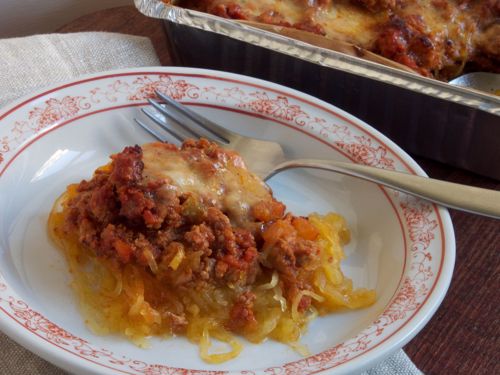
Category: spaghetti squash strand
[216,358]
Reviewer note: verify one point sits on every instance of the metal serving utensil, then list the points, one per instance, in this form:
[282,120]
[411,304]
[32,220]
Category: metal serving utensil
[266,159]
[482,81]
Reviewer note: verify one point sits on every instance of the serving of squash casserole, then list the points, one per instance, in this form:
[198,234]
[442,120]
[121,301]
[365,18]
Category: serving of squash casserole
[186,241]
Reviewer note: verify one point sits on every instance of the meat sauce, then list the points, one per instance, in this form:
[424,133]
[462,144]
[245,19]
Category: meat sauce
[197,245]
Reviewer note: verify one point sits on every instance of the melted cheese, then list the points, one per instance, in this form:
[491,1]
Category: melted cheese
[226,184]
[448,26]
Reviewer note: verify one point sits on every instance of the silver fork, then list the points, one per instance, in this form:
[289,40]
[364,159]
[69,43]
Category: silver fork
[266,159]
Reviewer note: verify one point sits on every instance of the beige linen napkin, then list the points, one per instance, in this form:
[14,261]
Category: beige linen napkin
[30,63]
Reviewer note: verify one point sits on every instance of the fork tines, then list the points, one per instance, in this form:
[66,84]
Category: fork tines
[180,121]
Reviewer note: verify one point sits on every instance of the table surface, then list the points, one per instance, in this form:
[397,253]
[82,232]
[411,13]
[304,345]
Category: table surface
[463,337]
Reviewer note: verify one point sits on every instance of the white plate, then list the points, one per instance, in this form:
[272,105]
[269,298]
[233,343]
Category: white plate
[402,246]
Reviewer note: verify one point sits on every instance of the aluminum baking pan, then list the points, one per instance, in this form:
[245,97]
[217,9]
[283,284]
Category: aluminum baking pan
[318,55]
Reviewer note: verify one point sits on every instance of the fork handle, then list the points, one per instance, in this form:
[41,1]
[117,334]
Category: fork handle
[480,201]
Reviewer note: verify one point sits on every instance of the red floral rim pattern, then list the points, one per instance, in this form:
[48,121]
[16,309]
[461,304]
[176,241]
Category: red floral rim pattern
[421,219]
